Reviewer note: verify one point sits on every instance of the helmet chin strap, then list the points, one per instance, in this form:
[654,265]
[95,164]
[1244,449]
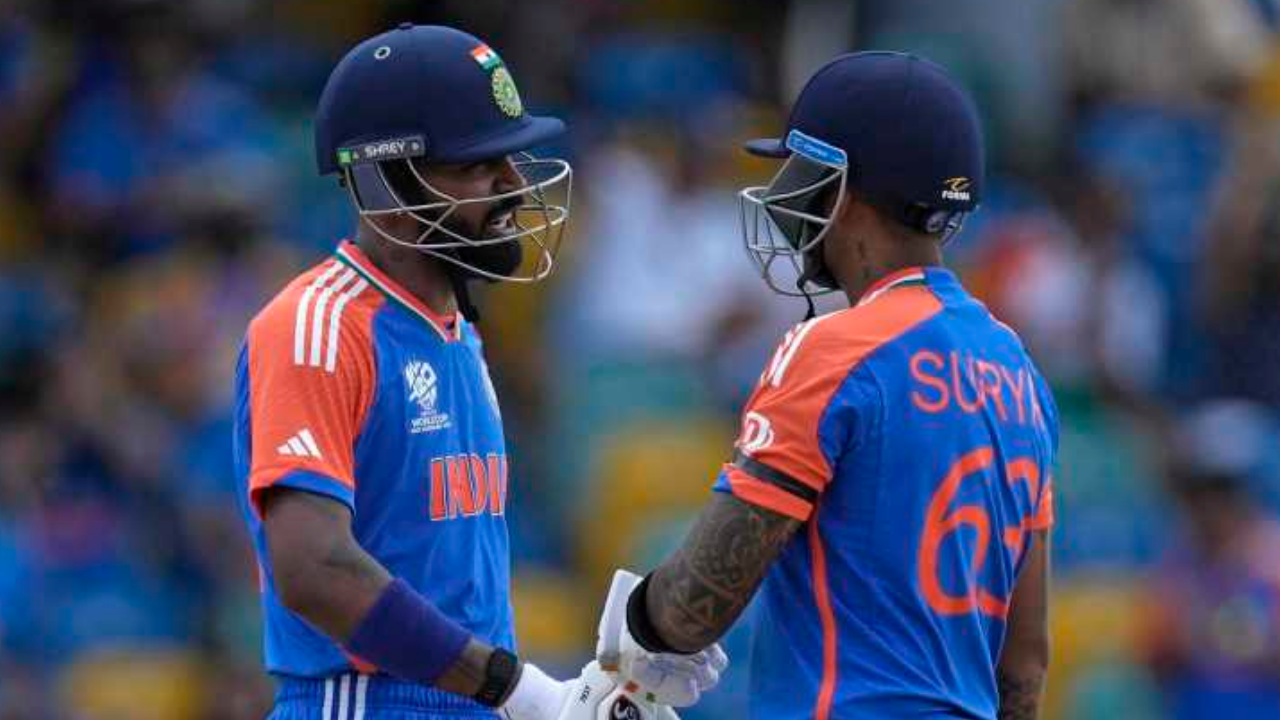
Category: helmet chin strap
[802,283]
[462,293]
[814,270]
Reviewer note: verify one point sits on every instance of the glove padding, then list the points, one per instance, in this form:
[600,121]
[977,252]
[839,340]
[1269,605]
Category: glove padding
[665,678]
[593,695]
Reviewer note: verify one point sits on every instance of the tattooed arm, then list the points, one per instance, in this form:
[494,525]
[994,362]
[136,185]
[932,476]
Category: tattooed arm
[1024,660]
[699,591]
[322,574]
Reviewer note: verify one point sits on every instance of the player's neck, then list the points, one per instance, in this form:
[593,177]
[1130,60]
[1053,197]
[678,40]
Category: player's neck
[871,271]
[421,275]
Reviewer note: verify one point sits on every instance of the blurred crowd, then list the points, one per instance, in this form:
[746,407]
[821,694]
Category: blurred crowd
[157,185]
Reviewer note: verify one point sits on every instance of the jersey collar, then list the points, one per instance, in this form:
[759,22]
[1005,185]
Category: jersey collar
[448,327]
[896,279]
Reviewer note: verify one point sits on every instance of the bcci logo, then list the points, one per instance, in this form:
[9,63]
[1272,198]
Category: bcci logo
[505,93]
[420,379]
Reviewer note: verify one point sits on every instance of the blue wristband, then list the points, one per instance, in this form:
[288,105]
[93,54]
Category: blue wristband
[406,635]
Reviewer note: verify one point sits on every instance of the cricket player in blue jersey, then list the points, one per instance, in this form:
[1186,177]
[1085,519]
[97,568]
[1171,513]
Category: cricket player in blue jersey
[368,442]
[891,490]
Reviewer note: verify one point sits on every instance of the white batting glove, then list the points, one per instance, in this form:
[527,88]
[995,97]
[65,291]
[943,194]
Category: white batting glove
[666,678]
[593,695]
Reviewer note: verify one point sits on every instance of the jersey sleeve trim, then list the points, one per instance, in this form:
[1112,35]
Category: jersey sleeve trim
[779,479]
[765,494]
[308,481]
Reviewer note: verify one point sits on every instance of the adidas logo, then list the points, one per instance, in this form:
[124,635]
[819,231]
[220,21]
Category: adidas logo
[300,445]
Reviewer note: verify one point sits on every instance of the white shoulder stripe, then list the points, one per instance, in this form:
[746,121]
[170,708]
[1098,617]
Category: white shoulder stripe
[300,323]
[317,318]
[335,323]
[785,359]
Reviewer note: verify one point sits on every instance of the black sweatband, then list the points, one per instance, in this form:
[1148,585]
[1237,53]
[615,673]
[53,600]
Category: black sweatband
[778,479]
[645,634]
[500,676]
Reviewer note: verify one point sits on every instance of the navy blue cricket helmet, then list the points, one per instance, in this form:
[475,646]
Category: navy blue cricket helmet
[427,94]
[892,127]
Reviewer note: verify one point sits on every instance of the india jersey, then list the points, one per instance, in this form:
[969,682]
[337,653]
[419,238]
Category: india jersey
[915,437]
[349,387]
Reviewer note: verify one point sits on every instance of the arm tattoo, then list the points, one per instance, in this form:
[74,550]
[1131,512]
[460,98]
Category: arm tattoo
[1019,696]
[697,594]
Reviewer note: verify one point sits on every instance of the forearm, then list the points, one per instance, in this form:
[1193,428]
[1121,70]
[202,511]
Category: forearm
[1024,660]
[319,570]
[332,589]
[686,609]
[1020,692]
[346,590]
[693,598]
[323,575]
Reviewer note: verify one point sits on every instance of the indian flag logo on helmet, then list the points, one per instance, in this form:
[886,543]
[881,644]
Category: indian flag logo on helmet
[485,55]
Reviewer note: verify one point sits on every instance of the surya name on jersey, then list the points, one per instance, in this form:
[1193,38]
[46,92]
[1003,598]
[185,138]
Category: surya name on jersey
[968,383]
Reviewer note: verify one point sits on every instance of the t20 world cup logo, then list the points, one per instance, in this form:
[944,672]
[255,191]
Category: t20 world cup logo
[424,389]
[421,379]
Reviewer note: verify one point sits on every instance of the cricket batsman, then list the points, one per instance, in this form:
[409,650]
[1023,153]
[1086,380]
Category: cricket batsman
[368,439]
[890,493]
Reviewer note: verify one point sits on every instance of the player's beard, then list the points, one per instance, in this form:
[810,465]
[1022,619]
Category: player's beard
[500,258]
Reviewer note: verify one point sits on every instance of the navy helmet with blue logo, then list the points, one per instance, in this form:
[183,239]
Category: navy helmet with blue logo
[426,94]
[894,129]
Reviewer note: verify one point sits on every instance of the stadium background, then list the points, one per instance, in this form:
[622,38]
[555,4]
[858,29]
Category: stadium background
[157,185]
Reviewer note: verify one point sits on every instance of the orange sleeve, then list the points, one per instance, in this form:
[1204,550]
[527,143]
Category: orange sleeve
[781,423]
[311,382]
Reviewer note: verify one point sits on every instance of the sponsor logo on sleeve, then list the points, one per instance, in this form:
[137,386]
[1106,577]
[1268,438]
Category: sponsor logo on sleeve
[757,433]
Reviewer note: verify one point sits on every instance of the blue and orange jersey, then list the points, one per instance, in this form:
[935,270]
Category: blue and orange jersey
[914,437]
[349,387]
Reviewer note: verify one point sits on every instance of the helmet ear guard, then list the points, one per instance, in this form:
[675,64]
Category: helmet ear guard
[371,188]
[924,219]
